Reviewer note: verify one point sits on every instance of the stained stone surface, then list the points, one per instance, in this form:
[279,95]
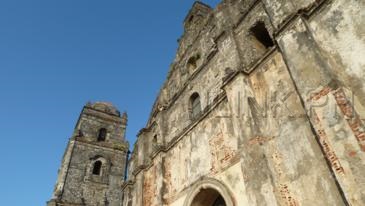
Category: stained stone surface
[281,89]
[77,184]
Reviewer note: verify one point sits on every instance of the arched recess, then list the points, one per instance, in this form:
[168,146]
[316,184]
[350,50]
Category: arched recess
[207,192]
[98,168]
[195,106]
[102,135]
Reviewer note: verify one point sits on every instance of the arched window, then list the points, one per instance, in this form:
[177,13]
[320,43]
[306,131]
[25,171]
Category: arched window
[193,62]
[261,34]
[154,140]
[97,168]
[102,135]
[195,105]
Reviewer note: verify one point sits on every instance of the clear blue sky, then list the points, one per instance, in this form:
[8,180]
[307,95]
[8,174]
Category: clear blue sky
[55,55]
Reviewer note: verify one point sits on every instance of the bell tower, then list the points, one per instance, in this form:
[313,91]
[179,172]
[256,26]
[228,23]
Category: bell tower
[93,166]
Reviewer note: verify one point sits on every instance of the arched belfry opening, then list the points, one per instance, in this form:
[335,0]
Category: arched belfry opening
[208,197]
[102,135]
[97,167]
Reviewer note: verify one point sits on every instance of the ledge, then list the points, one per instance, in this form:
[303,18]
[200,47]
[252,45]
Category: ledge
[164,149]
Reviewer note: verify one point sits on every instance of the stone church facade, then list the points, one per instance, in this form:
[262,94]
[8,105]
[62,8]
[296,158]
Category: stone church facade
[264,104]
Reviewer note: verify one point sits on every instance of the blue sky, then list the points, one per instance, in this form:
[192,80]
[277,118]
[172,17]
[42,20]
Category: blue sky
[56,55]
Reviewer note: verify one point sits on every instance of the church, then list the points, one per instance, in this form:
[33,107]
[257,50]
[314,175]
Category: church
[263,105]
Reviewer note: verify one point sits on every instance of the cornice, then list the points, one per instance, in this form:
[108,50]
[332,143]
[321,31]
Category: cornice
[121,147]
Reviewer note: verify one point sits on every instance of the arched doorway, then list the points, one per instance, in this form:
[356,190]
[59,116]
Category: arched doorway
[208,197]
[209,192]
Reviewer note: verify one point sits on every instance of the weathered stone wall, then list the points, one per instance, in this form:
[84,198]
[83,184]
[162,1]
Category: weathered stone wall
[281,88]
[77,184]
[333,44]
[279,153]
[280,125]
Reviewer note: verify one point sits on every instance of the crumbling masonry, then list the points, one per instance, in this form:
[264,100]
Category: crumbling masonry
[264,104]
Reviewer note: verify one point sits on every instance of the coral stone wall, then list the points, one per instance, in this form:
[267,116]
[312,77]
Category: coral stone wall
[281,121]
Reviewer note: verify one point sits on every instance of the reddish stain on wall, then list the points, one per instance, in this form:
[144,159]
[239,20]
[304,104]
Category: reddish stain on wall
[351,117]
[221,153]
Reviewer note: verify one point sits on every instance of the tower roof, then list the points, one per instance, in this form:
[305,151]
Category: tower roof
[106,107]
